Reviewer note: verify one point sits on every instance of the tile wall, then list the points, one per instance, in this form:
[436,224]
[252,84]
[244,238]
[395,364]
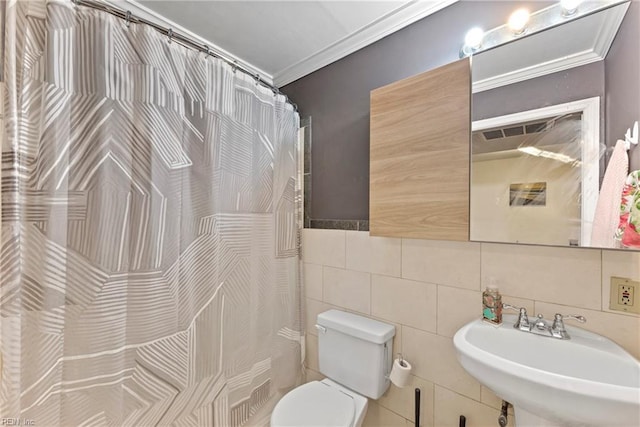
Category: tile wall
[428,289]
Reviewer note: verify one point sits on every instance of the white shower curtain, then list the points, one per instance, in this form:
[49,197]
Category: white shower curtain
[150,227]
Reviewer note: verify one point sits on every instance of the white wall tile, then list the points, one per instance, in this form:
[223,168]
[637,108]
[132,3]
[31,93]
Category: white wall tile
[443,263]
[313,281]
[434,359]
[456,307]
[450,405]
[618,264]
[624,330]
[621,264]
[562,275]
[401,400]
[314,308]
[487,397]
[378,416]
[565,280]
[325,247]
[348,289]
[311,352]
[358,251]
[379,255]
[404,301]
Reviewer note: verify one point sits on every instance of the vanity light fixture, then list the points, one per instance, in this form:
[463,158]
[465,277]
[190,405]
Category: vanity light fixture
[523,23]
[569,7]
[472,41]
[518,21]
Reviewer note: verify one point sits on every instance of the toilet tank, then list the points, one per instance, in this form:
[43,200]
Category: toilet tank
[355,351]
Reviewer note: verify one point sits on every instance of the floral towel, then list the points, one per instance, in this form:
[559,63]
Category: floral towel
[629,228]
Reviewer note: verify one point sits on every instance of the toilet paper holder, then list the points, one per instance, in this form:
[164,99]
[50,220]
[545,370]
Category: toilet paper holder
[401,360]
[400,374]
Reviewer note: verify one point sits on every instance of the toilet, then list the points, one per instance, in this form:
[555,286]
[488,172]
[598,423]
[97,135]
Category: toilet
[355,353]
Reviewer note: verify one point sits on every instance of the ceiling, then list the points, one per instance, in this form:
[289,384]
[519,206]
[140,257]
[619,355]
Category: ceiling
[285,40]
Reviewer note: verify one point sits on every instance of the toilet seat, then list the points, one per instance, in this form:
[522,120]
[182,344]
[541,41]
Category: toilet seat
[315,404]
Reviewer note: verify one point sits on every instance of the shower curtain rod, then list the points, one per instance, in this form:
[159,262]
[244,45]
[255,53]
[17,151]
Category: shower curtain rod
[180,38]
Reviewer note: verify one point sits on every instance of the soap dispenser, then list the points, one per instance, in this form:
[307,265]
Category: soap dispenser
[492,303]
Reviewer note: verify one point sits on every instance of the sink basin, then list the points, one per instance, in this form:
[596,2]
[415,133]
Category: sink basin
[586,380]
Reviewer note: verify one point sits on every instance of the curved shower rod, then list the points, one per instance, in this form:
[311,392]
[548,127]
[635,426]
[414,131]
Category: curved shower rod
[180,38]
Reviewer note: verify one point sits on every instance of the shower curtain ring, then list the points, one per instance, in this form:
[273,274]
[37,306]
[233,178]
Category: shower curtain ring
[127,18]
[257,77]
[235,66]
[207,50]
[170,34]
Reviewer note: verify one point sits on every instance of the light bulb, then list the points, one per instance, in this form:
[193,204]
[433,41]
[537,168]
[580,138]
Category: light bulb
[518,21]
[474,37]
[569,7]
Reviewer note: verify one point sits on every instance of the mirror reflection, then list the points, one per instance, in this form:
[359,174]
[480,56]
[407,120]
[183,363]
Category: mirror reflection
[548,110]
[526,179]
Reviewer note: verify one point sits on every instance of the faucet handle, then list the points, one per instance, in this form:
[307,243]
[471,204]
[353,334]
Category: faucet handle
[558,319]
[558,330]
[523,319]
[577,317]
[511,307]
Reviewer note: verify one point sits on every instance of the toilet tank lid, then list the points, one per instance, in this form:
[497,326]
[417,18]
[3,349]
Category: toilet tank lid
[357,326]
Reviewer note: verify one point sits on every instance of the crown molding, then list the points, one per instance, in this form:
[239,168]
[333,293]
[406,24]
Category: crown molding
[537,70]
[144,12]
[596,51]
[395,20]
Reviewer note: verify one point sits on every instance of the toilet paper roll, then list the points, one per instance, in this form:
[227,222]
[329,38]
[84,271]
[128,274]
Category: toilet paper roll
[400,373]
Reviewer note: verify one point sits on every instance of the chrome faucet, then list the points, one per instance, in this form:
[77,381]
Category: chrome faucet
[523,320]
[558,330]
[540,326]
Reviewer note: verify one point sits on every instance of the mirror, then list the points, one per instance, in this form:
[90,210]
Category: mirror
[547,110]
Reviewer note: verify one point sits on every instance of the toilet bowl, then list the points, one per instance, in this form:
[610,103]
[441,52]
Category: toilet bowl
[355,353]
[320,403]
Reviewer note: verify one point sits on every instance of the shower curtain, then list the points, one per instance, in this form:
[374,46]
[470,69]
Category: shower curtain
[150,227]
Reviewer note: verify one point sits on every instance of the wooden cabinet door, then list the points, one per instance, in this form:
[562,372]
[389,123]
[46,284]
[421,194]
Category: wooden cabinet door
[419,155]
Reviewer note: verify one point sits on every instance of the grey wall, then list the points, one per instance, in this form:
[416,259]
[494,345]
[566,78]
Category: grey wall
[337,98]
[565,86]
[622,66]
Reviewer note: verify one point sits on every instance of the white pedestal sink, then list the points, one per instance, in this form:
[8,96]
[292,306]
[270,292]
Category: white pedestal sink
[587,380]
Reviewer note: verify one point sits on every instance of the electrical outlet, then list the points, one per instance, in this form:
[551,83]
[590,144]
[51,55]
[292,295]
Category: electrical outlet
[623,295]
